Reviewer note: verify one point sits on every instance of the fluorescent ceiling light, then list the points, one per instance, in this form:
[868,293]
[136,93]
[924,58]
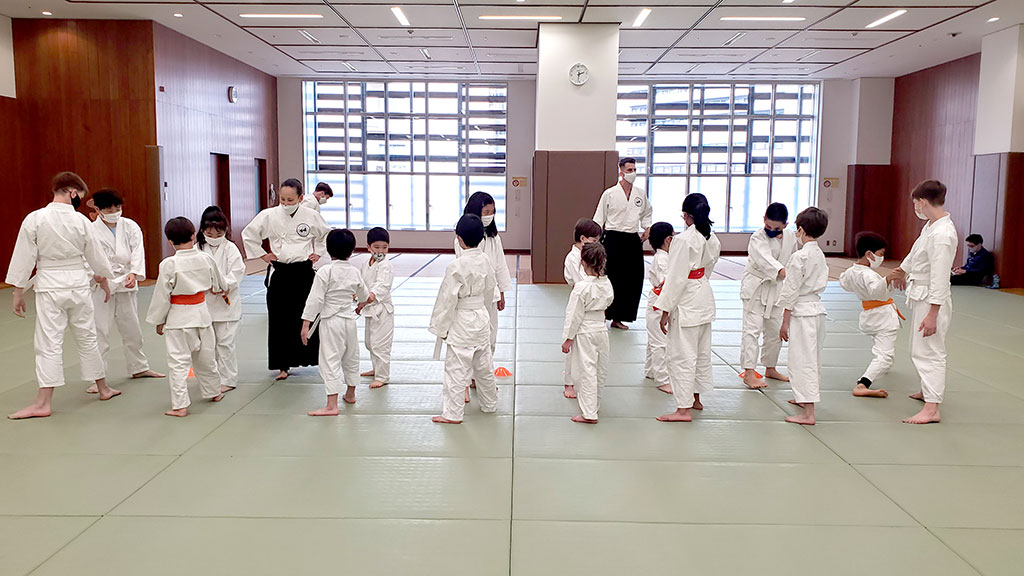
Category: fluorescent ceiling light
[734,38]
[176,15]
[425,53]
[406,37]
[808,55]
[349,66]
[993,19]
[399,15]
[47,13]
[885,19]
[641,17]
[520,17]
[305,34]
[290,16]
[426,67]
[691,68]
[788,1]
[763,18]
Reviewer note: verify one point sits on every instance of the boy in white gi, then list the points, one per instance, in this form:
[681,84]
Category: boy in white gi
[803,319]
[654,364]
[121,240]
[924,274]
[332,299]
[687,307]
[57,241]
[226,308]
[179,311]
[880,317]
[585,333]
[768,252]
[586,231]
[462,321]
[321,194]
[377,310]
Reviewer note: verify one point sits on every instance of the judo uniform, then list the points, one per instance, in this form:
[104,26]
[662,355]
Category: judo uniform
[654,362]
[492,247]
[806,279]
[572,271]
[332,299]
[379,317]
[226,313]
[880,319]
[310,201]
[618,217]
[585,326]
[759,291]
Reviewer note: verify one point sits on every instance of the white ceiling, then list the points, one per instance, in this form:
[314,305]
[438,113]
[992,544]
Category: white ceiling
[684,38]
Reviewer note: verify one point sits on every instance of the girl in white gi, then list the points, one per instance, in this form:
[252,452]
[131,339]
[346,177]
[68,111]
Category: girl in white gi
[321,194]
[687,307]
[179,311]
[296,235]
[806,279]
[121,239]
[655,367]
[332,300]
[768,252]
[481,205]
[226,308]
[880,317]
[586,231]
[925,275]
[58,243]
[378,311]
[461,320]
[585,333]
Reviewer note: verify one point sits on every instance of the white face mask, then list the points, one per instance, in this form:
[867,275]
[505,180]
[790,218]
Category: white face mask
[322,200]
[875,261]
[379,256]
[112,217]
[920,214]
[487,219]
[289,210]
[631,177]
[215,241]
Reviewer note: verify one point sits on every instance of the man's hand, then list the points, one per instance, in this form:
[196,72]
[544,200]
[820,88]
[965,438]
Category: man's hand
[501,302]
[958,271]
[19,302]
[105,286]
[130,280]
[160,329]
[269,257]
[314,258]
[929,326]
[664,322]
[645,234]
[305,332]
[567,346]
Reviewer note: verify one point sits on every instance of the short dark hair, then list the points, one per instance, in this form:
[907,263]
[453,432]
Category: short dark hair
[586,227]
[179,230]
[975,239]
[106,198]
[777,211]
[325,188]
[868,242]
[377,234]
[475,205]
[660,232]
[626,160]
[68,180]
[813,220]
[471,229]
[931,190]
[293,183]
[594,255]
[341,243]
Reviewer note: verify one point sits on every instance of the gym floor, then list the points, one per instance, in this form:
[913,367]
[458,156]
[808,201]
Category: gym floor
[254,486]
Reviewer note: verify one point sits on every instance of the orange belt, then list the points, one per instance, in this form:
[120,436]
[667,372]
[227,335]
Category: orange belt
[188,299]
[696,274]
[872,304]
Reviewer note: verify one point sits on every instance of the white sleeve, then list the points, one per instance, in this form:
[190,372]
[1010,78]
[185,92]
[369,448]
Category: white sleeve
[574,312]
[647,212]
[23,259]
[160,304]
[136,243]
[253,235]
[600,215]
[458,248]
[759,252]
[875,286]
[235,268]
[501,275]
[792,284]
[382,284]
[321,229]
[678,272]
[317,293]
[443,316]
[361,291]
[94,254]
[942,254]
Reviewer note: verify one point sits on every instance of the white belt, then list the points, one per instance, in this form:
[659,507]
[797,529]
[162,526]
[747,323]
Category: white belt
[62,264]
[594,315]
[471,303]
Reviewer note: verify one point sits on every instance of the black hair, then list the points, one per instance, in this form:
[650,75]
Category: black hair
[213,217]
[586,227]
[106,198]
[813,220]
[778,212]
[931,190]
[475,206]
[696,205]
[660,232]
[341,243]
[594,255]
[325,188]
[179,230]
[868,242]
[68,180]
[626,160]
[975,239]
[293,183]
[471,229]
[377,234]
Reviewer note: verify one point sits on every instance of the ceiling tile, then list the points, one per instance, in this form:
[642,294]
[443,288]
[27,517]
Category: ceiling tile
[809,15]
[331,36]
[632,68]
[437,54]
[914,19]
[650,3]
[640,54]
[416,37]
[388,3]
[638,38]
[435,67]
[691,68]
[800,69]
[912,3]
[677,18]
[508,68]
[490,38]
[712,54]
[471,15]
[232,12]
[506,54]
[799,55]
[779,2]
[740,38]
[377,16]
[503,3]
[314,52]
[833,39]
[338,66]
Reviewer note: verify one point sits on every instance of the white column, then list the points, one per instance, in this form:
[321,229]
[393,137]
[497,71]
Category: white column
[874,99]
[6,58]
[1000,120]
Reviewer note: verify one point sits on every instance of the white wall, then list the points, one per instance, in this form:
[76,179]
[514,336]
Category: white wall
[573,117]
[874,109]
[838,150]
[289,129]
[6,58]
[1000,121]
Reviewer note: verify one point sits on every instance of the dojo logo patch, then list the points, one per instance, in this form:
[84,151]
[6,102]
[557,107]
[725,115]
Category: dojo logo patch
[302,230]
[638,201]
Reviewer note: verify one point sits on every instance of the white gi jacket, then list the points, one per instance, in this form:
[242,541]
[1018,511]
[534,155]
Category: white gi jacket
[460,315]
[616,213]
[379,279]
[58,242]
[492,247]
[765,258]
[867,285]
[124,248]
[691,300]
[185,273]
[658,272]
[292,238]
[310,201]
[589,299]
[232,269]
[806,279]
[332,291]
[572,269]
[929,262]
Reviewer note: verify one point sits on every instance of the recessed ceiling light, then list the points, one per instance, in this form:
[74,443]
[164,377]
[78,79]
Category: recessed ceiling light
[691,69]
[399,15]
[426,54]
[993,19]
[641,17]
[808,55]
[734,39]
[408,37]
[349,66]
[520,17]
[788,1]
[305,34]
[47,13]
[885,19]
[177,15]
[290,16]
[763,18]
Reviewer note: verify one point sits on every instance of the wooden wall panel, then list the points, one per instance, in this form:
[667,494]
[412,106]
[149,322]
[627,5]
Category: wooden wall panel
[986,194]
[870,187]
[1008,241]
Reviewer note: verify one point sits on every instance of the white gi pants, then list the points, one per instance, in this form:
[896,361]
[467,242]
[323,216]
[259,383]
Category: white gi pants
[227,361]
[492,309]
[55,311]
[883,347]
[929,354]
[379,334]
[655,366]
[122,309]
[688,360]
[195,347]
[754,326]
[339,353]
[806,338]
[461,365]
[589,370]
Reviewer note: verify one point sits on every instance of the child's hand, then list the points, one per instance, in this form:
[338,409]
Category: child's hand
[372,298]
[129,281]
[359,308]
[501,302]
[567,346]
[664,322]
[105,286]
[305,334]
[314,258]
[782,274]
[784,331]
[898,279]
[160,329]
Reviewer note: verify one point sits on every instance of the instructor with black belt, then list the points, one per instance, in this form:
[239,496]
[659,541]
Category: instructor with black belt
[623,211]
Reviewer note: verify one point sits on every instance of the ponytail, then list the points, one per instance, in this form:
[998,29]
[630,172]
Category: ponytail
[696,205]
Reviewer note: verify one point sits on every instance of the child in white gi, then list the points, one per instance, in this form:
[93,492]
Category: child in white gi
[461,320]
[803,319]
[226,308]
[377,310]
[57,241]
[880,317]
[332,299]
[121,240]
[585,333]
[768,252]
[586,231]
[687,307]
[925,275]
[179,311]
[654,364]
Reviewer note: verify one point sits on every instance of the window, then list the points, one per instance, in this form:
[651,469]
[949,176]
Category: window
[405,155]
[742,145]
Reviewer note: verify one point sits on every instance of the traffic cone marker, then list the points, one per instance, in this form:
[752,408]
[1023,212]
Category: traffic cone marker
[756,373]
[502,372]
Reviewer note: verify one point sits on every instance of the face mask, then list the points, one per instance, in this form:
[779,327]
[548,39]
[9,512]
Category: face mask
[215,241]
[974,249]
[289,210]
[920,215]
[76,201]
[875,261]
[322,200]
[772,233]
[487,219]
[379,256]
[631,177]
[112,217]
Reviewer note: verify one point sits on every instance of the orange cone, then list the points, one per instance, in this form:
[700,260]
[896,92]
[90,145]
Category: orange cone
[191,373]
[502,372]
[756,373]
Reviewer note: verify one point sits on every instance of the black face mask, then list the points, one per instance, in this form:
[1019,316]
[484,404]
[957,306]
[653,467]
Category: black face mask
[772,233]
[76,201]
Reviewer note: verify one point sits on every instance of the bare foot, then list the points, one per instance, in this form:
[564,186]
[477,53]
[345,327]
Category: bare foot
[751,380]
[863,391]
[680,415]
[94,389]
[467,395]
[30,412]
[217,398]
[801,419]
[619,325]
[146,374]
[775,375]
[224,389]
[917,396]
[180,413]
[793,402]
[443,420]
[666,388]
[349,397]
[324,412]
[282,375]
[109,393]
[928,415]
[472,383]
[570,392]
[367,374]
[377,384]
[696,402]
[581,420]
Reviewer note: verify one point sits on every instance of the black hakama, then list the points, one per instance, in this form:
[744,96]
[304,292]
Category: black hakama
[288,286]
[626,272]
